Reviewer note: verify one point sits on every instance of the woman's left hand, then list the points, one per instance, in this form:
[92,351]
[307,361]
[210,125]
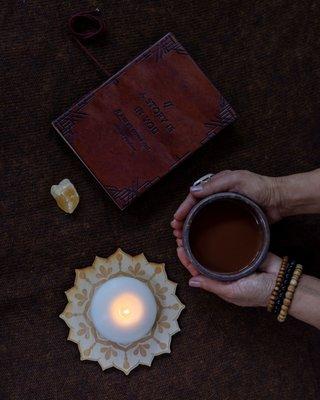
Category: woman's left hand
[251,291]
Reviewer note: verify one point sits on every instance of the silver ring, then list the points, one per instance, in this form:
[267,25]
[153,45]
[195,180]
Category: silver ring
[203,179]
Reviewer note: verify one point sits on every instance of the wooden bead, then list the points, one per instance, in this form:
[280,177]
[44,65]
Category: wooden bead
[272,298]
[297,272]
[281,319]
[284,308]
[291,288]
[286,302]
[293,282]
[289,295]
[270,306]
[283,313]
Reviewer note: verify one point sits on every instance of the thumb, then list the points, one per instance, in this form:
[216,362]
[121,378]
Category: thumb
[222,182]
[222,289]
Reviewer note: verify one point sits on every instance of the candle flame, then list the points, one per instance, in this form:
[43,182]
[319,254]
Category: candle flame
[127,309]
[125,312]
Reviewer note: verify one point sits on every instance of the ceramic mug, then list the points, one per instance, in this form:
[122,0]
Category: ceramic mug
[261,220]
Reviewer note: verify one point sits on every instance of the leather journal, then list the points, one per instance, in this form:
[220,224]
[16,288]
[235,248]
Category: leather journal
[144,120]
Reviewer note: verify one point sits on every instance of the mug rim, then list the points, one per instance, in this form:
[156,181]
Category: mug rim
[262,220]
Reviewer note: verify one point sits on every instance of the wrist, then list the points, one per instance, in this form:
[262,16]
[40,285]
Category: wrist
[270,281]
[306,301]
[297,194]
[283,199]
[273,264]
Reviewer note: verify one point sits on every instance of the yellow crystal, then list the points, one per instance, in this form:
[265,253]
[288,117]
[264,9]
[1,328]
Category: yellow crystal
[65,195]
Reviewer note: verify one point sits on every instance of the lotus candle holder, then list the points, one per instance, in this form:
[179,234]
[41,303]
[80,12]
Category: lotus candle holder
[82,330]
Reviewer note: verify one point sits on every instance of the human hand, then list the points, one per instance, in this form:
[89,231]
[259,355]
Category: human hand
[263,190]
[251,291]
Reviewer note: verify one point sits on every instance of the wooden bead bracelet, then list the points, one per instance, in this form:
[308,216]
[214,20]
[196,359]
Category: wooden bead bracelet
[279,280]
[286,283]
[290,293]
[284,286]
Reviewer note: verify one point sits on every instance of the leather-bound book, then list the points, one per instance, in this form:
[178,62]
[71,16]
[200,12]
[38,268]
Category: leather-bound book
[144,120]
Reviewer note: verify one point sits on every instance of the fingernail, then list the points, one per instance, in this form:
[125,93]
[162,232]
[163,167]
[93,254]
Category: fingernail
[196,188]
[194,282]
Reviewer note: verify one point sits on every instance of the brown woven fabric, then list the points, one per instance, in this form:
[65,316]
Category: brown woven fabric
[263,56]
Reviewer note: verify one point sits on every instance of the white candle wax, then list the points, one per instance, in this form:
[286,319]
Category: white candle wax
[123,310]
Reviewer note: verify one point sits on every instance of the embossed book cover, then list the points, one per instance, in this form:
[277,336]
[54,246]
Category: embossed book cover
[144,120]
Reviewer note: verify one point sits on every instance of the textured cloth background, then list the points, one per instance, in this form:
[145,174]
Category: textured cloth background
[264,57]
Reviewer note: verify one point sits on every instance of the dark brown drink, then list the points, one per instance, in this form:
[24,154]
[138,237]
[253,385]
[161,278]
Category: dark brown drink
[225,236]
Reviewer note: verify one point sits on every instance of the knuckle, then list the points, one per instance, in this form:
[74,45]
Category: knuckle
[204,285]
[242,174]
[223,173]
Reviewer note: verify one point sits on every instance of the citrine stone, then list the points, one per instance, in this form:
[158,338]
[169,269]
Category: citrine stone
[65,195]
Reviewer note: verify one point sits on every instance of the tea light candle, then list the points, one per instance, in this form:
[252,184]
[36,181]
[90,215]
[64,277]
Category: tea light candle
[123,310]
